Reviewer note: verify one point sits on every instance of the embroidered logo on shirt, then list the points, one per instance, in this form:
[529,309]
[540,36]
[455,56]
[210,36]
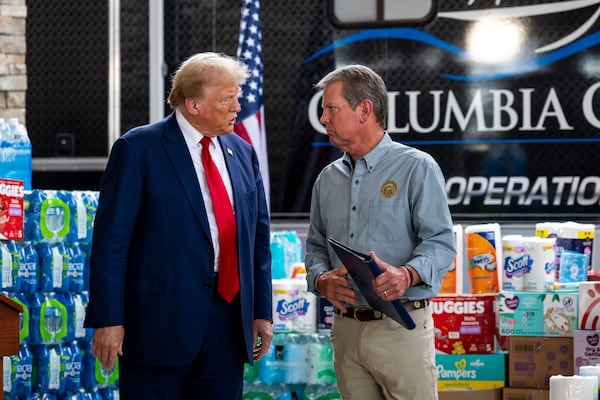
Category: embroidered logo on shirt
[389,189]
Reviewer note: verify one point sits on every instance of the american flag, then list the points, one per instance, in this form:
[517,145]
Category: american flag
[251,125]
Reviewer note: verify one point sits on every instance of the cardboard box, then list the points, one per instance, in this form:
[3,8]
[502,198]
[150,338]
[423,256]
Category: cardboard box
[589,305]
[466,372]
[586,348]
[11,209]
[533,360]
[490,394]
[538,313]
[465,324]
[525,394]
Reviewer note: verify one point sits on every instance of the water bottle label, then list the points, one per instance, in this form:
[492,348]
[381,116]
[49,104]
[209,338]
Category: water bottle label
[272,365]
[79,317]
[296,368]
[57,267]
[54,364]
[7,367]
[7,268]
[320,360]
[81,216]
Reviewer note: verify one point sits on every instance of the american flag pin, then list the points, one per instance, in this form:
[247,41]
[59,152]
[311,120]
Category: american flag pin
[230,151]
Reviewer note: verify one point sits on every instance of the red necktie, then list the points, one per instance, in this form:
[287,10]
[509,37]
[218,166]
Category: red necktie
[229,281]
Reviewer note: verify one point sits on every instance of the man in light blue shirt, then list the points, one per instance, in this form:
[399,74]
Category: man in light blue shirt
[388,200]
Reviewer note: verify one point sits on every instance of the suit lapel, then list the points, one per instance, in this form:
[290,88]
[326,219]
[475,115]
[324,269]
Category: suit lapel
[180,158]
[233,168]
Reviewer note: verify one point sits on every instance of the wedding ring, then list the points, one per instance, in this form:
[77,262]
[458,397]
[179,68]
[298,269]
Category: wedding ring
[385,293]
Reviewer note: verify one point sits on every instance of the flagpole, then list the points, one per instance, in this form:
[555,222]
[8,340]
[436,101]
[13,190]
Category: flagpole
[251,119]
[156,60]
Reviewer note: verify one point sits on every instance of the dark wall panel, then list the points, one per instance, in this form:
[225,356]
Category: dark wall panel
[67,76]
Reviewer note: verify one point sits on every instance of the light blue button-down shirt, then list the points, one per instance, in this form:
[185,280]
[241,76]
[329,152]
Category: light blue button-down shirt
[392,201]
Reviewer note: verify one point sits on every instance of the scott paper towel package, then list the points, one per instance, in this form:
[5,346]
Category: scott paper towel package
[294,307]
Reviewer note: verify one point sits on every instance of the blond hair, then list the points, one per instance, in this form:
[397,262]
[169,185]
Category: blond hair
[194,75]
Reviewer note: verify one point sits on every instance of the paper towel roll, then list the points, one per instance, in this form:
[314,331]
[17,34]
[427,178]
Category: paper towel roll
[516,264]
[550,230]
[591,370]
[541,254]
[452,281]
[573,387]
[484,255]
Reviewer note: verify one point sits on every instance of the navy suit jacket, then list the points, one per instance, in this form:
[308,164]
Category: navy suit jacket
[152,254]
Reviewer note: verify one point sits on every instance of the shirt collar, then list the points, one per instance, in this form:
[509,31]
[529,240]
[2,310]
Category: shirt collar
[372,157]
[191,135]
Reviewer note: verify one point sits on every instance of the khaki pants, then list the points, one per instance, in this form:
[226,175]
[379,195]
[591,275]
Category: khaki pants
[383,360]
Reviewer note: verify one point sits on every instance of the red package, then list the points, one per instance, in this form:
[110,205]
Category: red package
[11,209]
[465,324]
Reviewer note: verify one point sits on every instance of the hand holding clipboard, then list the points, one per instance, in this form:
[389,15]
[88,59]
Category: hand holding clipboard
[363,270]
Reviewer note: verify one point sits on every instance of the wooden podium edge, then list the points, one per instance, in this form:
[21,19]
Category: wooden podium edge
[12,304]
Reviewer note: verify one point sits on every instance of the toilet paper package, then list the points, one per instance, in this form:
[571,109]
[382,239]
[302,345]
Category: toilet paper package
[294,307]
[540,252]
[574,387]
[569,235]
[516,263]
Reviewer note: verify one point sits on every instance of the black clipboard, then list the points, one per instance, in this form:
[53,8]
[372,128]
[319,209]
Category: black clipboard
[363,270]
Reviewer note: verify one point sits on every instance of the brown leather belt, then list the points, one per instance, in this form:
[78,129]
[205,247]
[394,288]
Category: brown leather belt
[368,314]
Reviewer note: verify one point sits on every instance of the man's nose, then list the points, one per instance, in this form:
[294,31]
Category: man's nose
[236,105]
[324,118]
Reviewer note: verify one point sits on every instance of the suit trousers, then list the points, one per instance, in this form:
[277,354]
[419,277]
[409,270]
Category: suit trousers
[216,373]
[381,359]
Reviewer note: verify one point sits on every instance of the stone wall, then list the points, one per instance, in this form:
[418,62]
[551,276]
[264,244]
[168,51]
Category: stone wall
[13,71]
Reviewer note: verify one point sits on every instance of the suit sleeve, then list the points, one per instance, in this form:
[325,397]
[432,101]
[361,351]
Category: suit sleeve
[262,253]
[119,202]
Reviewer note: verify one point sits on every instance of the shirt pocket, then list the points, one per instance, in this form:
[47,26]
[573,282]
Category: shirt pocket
[388,220]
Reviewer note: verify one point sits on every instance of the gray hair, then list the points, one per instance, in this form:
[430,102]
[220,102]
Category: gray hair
[359,83]
[194,75]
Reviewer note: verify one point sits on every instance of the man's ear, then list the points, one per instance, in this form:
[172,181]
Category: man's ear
[191,105]
[366,109]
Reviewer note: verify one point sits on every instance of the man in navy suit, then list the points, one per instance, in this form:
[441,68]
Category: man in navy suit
[154,262]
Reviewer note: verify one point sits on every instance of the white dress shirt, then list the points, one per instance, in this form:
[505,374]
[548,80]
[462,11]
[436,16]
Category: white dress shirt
[192,139]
